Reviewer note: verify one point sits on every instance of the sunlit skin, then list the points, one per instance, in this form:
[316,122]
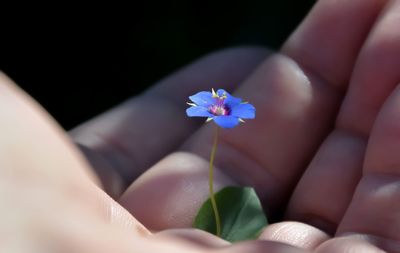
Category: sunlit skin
[324,149]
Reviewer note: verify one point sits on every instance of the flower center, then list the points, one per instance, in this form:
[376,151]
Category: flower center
[219,109]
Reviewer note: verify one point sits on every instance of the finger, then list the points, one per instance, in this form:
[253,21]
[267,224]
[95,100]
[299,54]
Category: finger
[347,244]
[296,234]
[295,110]
[336,168]
[329,39]
[133,136]
[324,191]
[41,173]
[374,209]
[26,125]
[195,236]
[169,194]
[260,246]
[200,241]
[376,73]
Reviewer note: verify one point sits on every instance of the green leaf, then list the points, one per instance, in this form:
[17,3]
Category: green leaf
[241,213]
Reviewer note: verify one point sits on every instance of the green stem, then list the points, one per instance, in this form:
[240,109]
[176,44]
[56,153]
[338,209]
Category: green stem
[212,197]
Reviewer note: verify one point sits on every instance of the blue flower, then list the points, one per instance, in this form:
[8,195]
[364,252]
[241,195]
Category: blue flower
[226,110]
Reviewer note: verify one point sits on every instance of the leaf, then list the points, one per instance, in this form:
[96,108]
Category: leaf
[241,214]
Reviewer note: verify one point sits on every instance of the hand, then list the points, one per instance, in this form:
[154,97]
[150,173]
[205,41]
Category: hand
[51,191]
[312,145]
[51,201]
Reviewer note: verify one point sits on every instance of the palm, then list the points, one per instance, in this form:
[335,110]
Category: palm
[317,144]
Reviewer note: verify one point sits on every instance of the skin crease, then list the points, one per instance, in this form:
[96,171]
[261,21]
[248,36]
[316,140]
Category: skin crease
[330,91]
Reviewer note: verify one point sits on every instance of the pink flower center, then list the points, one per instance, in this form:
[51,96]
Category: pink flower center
[219,109]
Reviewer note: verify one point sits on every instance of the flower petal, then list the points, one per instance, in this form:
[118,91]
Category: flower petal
[244,111]
[226,121]
[221,92]
[198,111]
[232,101]
[203,98]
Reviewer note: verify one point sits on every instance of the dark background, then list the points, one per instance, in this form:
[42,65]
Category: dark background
[78,61]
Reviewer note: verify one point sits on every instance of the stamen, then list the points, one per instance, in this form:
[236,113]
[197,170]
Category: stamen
[214,94]
[219,110]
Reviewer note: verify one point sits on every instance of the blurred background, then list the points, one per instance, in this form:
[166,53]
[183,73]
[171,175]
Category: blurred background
[79,61]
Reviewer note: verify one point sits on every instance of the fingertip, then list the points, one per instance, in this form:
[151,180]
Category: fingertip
[196,237]
[294,233]
[347,244]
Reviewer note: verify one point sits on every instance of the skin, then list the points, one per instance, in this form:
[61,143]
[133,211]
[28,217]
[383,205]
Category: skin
[322,150]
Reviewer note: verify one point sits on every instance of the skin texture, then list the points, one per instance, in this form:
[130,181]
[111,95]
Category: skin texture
[322,150]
